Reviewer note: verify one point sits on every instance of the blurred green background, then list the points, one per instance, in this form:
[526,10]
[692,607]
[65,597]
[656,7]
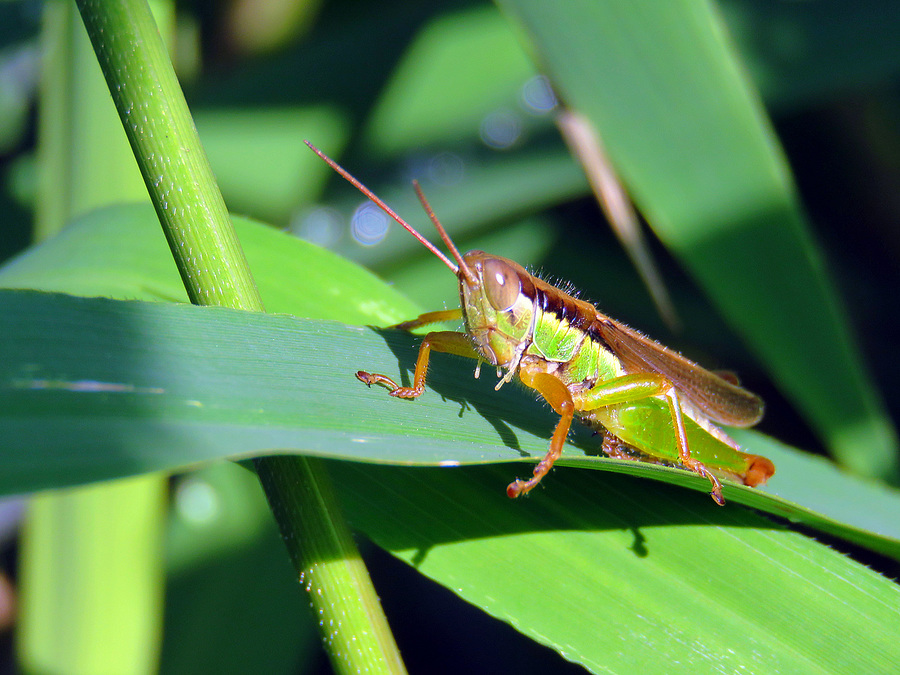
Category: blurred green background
[453,94]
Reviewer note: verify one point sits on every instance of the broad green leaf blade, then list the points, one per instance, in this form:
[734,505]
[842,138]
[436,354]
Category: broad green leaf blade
[120,252]
[95,389]
[245,381]
[662,85]
[663,571]
[626,581]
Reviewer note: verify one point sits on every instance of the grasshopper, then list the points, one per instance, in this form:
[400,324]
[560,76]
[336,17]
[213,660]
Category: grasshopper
[651,403]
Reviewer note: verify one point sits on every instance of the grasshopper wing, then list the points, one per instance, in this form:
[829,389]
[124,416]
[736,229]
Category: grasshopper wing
[718,398]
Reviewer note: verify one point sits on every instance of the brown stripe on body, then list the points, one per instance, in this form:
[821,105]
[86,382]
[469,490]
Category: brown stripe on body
[580,314]
[548,298]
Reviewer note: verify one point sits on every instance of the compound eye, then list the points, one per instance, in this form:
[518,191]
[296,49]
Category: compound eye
[501,284]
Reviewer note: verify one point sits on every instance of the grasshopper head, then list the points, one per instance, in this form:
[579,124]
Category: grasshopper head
[496,296]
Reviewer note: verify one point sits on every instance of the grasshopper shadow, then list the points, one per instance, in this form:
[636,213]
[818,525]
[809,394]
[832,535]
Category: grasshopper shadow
[433,506]
[510,408]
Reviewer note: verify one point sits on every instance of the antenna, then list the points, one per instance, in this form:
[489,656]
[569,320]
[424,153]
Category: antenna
[466,271]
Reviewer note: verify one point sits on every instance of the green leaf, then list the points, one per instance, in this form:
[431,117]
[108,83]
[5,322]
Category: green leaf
[626,580]
[93,581]
[91,386]
[217,383]
[667,94]
[122,387]
[120,251]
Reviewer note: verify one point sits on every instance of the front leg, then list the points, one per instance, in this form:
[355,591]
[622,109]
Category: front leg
[440,341]
[431,317]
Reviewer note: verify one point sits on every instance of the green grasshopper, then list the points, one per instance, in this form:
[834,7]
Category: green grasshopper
[651,403]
